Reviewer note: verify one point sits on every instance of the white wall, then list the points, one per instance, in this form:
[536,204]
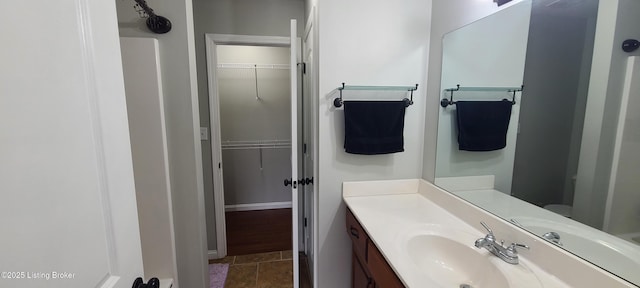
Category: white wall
[361,42]
[241,17]
[617,21]
[177,55]
[147,129]
[446,17]
[623,199]
[486,53]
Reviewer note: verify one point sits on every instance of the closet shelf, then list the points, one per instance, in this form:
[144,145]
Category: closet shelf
[338,101]
[263,144]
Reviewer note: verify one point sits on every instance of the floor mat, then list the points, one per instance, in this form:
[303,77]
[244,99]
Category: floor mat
[218,275]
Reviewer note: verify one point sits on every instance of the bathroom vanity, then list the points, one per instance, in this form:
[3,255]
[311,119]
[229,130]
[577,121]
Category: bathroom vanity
[410,233]
[370,269]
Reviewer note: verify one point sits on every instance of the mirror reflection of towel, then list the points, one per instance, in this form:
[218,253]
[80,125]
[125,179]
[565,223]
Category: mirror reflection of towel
[373,127]
[482,125]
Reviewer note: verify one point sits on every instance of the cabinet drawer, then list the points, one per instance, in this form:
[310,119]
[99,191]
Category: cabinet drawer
[358,236]
[382,273]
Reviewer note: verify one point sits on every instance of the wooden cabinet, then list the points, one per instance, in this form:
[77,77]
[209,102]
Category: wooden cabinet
[360,276]
[358,236]
[369,268]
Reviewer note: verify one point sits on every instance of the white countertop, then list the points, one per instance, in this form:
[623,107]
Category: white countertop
[616,254]
[391,211]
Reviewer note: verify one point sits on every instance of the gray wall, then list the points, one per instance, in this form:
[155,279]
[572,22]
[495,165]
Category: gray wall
[177,57]
[552,97]
[254,175]
[241,17]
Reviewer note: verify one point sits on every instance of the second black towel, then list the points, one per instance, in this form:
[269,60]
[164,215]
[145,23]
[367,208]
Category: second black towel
[482,125]
[373,127]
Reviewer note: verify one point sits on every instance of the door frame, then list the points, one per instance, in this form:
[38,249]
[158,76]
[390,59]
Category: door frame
[311,33]
[211,43]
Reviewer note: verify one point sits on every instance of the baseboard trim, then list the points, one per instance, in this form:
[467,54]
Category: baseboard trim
[213,254]
[257,206]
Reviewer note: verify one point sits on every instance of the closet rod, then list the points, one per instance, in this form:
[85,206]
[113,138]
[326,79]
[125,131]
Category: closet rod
[253,66]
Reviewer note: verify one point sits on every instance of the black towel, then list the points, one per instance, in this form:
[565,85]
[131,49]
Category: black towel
[482,125]
[373,127]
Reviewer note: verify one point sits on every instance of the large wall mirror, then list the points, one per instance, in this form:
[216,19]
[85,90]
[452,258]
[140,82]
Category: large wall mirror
[564,163]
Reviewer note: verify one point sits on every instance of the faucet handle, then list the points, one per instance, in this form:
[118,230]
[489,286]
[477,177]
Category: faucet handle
[514,245]
[486,227]
[513,251]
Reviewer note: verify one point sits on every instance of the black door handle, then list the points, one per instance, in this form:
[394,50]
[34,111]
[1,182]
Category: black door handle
[306,181]
[288,182]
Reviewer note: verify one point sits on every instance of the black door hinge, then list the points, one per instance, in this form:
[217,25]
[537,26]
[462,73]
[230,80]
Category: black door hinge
[305,222]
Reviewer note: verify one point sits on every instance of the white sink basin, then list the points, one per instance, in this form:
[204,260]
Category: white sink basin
[449,258]
[451,264]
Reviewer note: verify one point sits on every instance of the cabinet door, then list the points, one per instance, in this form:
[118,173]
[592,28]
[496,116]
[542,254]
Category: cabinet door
[358,236]
[382,273]
[359,276]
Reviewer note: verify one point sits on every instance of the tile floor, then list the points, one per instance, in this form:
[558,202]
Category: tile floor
[261,270]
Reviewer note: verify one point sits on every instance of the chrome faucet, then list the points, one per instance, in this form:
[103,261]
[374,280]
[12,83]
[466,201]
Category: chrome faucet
[508,254]
[552,237]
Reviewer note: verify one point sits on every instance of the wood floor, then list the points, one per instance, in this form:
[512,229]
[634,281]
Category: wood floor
[259,231]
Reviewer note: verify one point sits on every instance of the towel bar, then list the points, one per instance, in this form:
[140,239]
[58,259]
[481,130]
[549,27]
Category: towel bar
[446,102]
[408,101]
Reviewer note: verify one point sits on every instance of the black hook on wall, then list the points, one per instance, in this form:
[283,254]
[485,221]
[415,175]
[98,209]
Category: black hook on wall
[630,45]
[156,23]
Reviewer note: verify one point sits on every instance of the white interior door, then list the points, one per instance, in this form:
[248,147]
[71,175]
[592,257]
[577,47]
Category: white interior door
[68,211]
[294,152]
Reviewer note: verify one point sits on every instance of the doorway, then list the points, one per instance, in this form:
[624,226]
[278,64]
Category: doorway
[253,144]
[253,94]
